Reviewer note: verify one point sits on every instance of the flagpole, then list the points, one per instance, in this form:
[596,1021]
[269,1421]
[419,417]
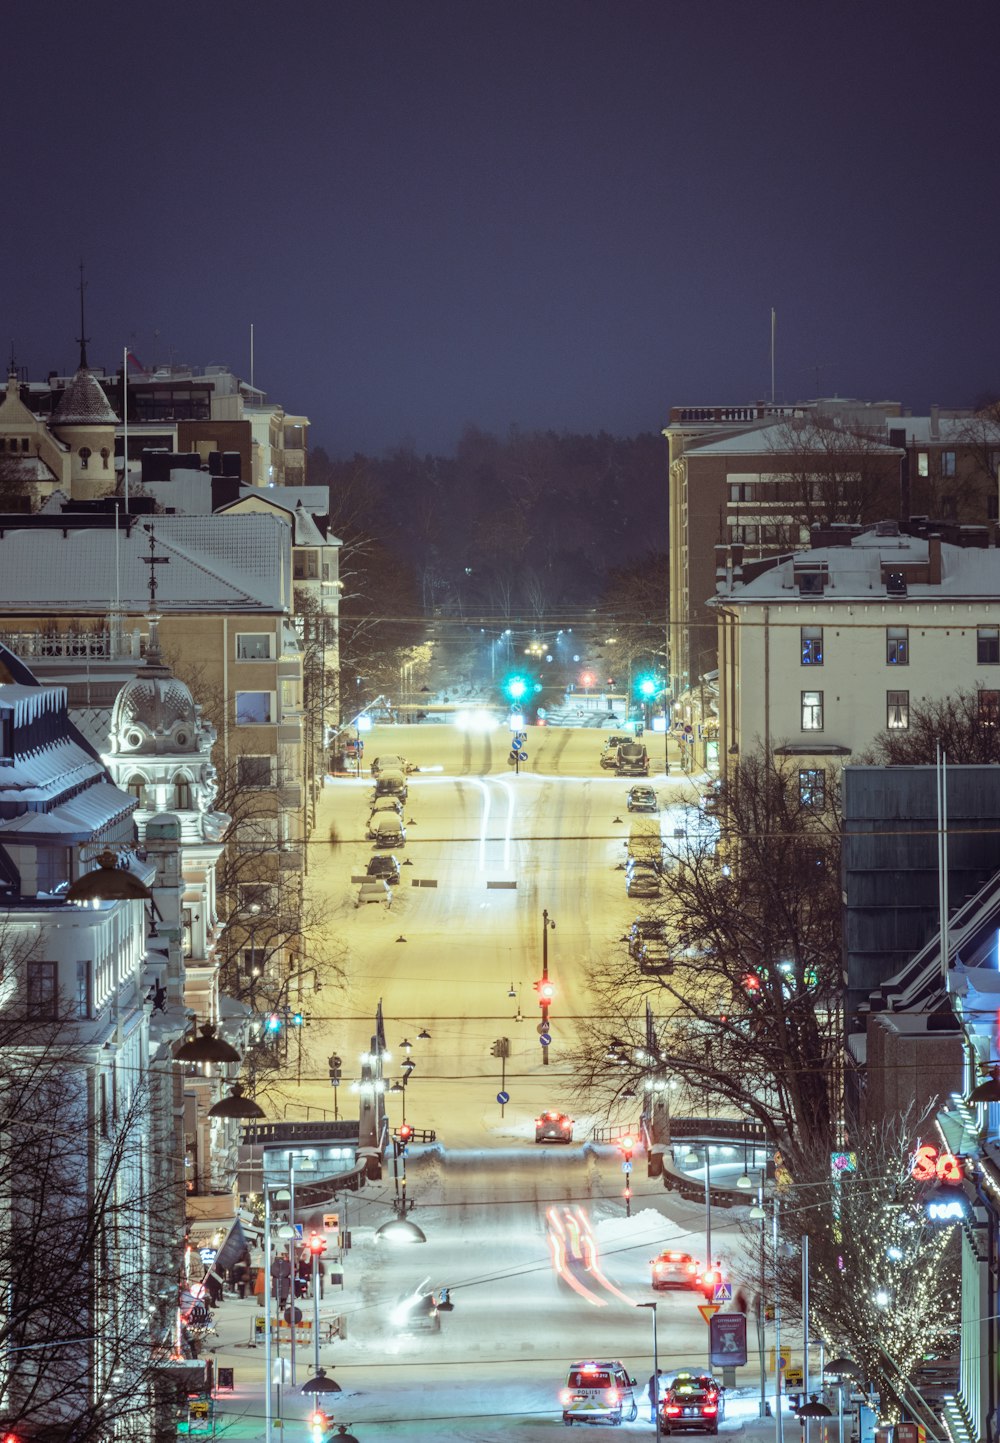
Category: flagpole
[773,324]
[125,421]
[251,355]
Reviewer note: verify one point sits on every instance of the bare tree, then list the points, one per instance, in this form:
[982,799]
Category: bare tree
[965,725]
[634,604]
[749,1014]
[823,473]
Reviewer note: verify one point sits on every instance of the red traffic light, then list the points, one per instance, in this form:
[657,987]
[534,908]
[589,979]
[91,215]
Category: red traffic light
[317,1244]
[318,1421]
[546,991]
[405,1132]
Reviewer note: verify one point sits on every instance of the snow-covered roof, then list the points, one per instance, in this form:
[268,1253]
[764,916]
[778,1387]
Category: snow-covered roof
[232,562]
[956,430]
[857,573]
[790,438]
[83,403]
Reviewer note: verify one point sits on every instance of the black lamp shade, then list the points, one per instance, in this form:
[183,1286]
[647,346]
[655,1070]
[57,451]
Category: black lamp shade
[236,1105]
[207,1048]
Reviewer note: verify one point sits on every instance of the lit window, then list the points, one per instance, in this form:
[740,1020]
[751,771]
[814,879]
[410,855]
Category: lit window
[897,645]
[947,463]
[988,645]
[84,457]
[812,711]
[83,989]
[253,646]
[811,639]
[897,710]
[136,786]
[812,787]
[182,792]
[254,708]
[923,468]
[989,708]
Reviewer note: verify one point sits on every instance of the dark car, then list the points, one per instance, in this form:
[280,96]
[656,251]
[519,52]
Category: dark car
[609,757]
[553,1127]
[633,760]
[384,867]
[642,929]
[642,798]
[656,958]
[692,1403]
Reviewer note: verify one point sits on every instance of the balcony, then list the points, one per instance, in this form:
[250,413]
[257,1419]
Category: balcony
[72,645]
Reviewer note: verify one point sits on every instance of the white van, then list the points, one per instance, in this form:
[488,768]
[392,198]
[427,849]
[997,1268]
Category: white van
[597,1392]
[387,830]
[645,843]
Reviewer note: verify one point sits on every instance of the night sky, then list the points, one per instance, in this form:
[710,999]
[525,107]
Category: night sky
[550,213]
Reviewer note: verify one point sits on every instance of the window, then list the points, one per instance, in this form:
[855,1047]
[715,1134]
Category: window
[989,708]
[741,491]
[84,998]
[136,786]
[995,462]
[947,463]
[254,894]
[253,645]
[43,995]
[305,566]
[289,694]
[811,641]
[897,645]
[812,788]
[105,453]
[988,645]
[812,711]
[188,925]
[182,791]
[923,466]
[84,457]
[255,771]
[254,708]
[897,710]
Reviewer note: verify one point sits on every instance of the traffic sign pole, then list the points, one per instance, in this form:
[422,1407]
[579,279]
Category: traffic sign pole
[546,924]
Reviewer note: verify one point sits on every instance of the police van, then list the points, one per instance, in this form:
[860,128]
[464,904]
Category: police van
[599,1392]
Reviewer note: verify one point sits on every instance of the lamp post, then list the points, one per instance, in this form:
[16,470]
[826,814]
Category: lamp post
[545,989]
[655,1400]
[843,1372]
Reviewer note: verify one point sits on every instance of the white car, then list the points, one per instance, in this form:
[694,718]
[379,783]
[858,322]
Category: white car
[374,889]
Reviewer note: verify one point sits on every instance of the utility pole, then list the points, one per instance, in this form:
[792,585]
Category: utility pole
[544,988]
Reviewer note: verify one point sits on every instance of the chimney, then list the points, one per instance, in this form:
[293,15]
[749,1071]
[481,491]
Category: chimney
[934,560]
[935,423]
[736,552]
[721,553]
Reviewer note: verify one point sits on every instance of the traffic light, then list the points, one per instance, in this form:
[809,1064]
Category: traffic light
[647,687]
[627,1145]
[317,1244]
[516,687]
[297,1018]
[319,1423]
[334,1063]
[405,1133]
[273,1023]
[546,991]
[500,1048]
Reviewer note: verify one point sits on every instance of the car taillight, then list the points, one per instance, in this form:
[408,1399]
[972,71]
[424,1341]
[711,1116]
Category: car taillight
[691,1268]
[612,1396]
[709,1410]
[565,1397]
[672,1409]
[660,1268]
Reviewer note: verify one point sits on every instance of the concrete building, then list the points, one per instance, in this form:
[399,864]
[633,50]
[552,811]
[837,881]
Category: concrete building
[821,650]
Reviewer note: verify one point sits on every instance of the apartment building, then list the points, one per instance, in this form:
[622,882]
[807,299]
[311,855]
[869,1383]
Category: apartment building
[821,650]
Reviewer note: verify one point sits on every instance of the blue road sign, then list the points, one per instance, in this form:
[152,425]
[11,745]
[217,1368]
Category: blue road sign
[723,1293]
[545,1038]
[503,1098]
[627,1165]
[522,756]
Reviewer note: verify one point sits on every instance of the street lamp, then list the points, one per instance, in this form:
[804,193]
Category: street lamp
[399,1232]
[235,1105]
[691,1160]
[655,1400]
[206,1048]
[841,1372]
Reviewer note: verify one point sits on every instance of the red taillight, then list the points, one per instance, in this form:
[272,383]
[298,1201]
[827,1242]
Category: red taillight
[612,1396]
[709,1410]
[565,1397]
[672,1409]
[691,1268]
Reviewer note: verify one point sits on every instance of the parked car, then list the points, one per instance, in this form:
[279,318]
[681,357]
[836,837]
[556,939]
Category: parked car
[641,929]
[642,798]
[632,760]
[387,868]
[656,957]
[642,880]
[387,830]
[609,756]
[388,764]
[387,804]
[390,784]
[599,1393]
[374,889]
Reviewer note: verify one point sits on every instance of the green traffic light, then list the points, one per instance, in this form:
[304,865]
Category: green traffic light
[515,687]
[647,686]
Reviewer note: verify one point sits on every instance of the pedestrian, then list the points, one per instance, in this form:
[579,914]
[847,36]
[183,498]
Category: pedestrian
[241,1276]
[213,1288]
[654,1393]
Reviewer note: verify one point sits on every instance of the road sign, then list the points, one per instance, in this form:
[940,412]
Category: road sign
[545,1038]
[503,1098]
[708,1310]
[723,1293]
[542,1027]
[522,756]
[518,739]
[627,1165]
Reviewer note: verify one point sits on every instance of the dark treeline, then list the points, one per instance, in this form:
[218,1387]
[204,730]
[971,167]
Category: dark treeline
[527,525]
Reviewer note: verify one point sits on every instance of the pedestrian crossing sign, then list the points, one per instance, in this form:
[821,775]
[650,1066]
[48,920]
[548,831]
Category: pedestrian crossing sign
[723,1293]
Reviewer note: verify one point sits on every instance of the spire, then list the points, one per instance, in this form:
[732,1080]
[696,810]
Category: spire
[83,338]
[153,658]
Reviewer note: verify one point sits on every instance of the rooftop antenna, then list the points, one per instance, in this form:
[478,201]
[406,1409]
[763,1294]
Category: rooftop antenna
[83,338]
[251,355]
[774,326]
[125,422]
[12,371]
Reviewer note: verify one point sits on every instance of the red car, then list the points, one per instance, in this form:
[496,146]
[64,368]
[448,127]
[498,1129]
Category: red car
[675,1270]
